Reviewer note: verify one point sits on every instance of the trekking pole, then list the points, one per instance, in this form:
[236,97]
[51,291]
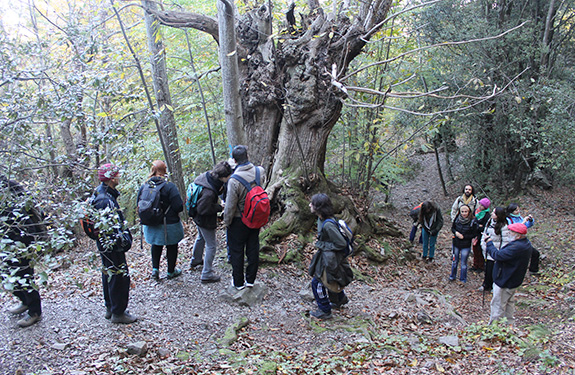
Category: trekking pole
[485,261]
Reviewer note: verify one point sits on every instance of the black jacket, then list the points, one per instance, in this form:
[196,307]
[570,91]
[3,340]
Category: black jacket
[20,222]
[208,204]
[469,231]
[105,197]
[436,224]
[169,197]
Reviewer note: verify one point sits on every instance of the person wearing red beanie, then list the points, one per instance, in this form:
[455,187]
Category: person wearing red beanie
[511,262]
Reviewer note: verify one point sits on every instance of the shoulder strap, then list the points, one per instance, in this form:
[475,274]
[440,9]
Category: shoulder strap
[246,184]
[331,221]
[257,180]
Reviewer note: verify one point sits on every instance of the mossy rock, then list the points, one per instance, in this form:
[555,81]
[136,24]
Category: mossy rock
[268,368]
[231,334]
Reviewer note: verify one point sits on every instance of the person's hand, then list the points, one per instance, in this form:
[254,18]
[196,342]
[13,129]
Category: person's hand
[487,238]
[459,235]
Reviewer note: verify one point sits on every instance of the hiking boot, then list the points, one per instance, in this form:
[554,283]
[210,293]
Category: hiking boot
[211,280]
[28,320]
[108,314]
[156,274]
[172,275]
[319,314]
[125,318]
[18,309]
[339,305]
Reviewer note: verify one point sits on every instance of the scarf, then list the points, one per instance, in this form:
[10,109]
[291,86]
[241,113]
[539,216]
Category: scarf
[463,221]
[428,222]
[480,214]
[467,200]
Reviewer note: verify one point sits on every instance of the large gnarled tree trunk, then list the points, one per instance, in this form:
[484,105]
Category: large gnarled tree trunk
[289,100]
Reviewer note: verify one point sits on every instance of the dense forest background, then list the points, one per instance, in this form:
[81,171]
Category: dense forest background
[490,84]
[338,96]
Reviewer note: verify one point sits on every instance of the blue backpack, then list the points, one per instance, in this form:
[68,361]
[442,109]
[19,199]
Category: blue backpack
[192,196]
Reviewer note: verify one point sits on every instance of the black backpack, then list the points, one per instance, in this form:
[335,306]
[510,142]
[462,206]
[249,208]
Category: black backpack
[150,205]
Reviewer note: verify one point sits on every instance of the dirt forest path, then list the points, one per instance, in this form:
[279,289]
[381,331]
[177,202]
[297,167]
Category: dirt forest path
[404,316]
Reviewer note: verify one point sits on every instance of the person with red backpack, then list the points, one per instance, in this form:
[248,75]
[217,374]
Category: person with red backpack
[246,211]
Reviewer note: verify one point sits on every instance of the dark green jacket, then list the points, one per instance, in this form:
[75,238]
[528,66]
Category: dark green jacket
[330,257]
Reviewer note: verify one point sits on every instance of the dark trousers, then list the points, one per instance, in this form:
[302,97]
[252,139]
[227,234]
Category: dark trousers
[488,280]
[534,264]
[28,295]
[321,295]
[478,260]
[115,281]
[171,255]
[243,242]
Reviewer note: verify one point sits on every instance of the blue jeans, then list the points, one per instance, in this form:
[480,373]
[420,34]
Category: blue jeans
[206,240]
[457,254]
[428,243]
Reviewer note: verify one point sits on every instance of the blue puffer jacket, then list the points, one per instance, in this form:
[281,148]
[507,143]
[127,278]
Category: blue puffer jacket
[512,219]
[511,262]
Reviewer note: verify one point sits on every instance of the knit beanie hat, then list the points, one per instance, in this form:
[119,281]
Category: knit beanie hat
[518,228]
[485,202]
[108,171]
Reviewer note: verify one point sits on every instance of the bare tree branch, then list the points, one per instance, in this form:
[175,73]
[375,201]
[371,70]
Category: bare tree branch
[429,47]
[479,99]
[377,27]
[184,19]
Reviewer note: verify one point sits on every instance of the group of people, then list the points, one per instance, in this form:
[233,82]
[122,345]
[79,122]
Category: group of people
[497,240]
[330,270]
[242,241]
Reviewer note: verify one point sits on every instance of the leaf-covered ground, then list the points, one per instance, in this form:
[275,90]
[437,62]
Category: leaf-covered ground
[404,316]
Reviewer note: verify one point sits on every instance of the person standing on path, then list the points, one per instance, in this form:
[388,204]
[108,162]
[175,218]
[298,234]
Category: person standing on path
[171,231]
[496,229]
[329,267]
[243,242]
[481,216]
[206,219]
[511,262]
[431,221]
[468,198]
[19,228]
[115,274]
[464,229]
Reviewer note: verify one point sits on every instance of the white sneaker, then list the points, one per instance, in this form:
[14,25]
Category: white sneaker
[237,287]
[249,285]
